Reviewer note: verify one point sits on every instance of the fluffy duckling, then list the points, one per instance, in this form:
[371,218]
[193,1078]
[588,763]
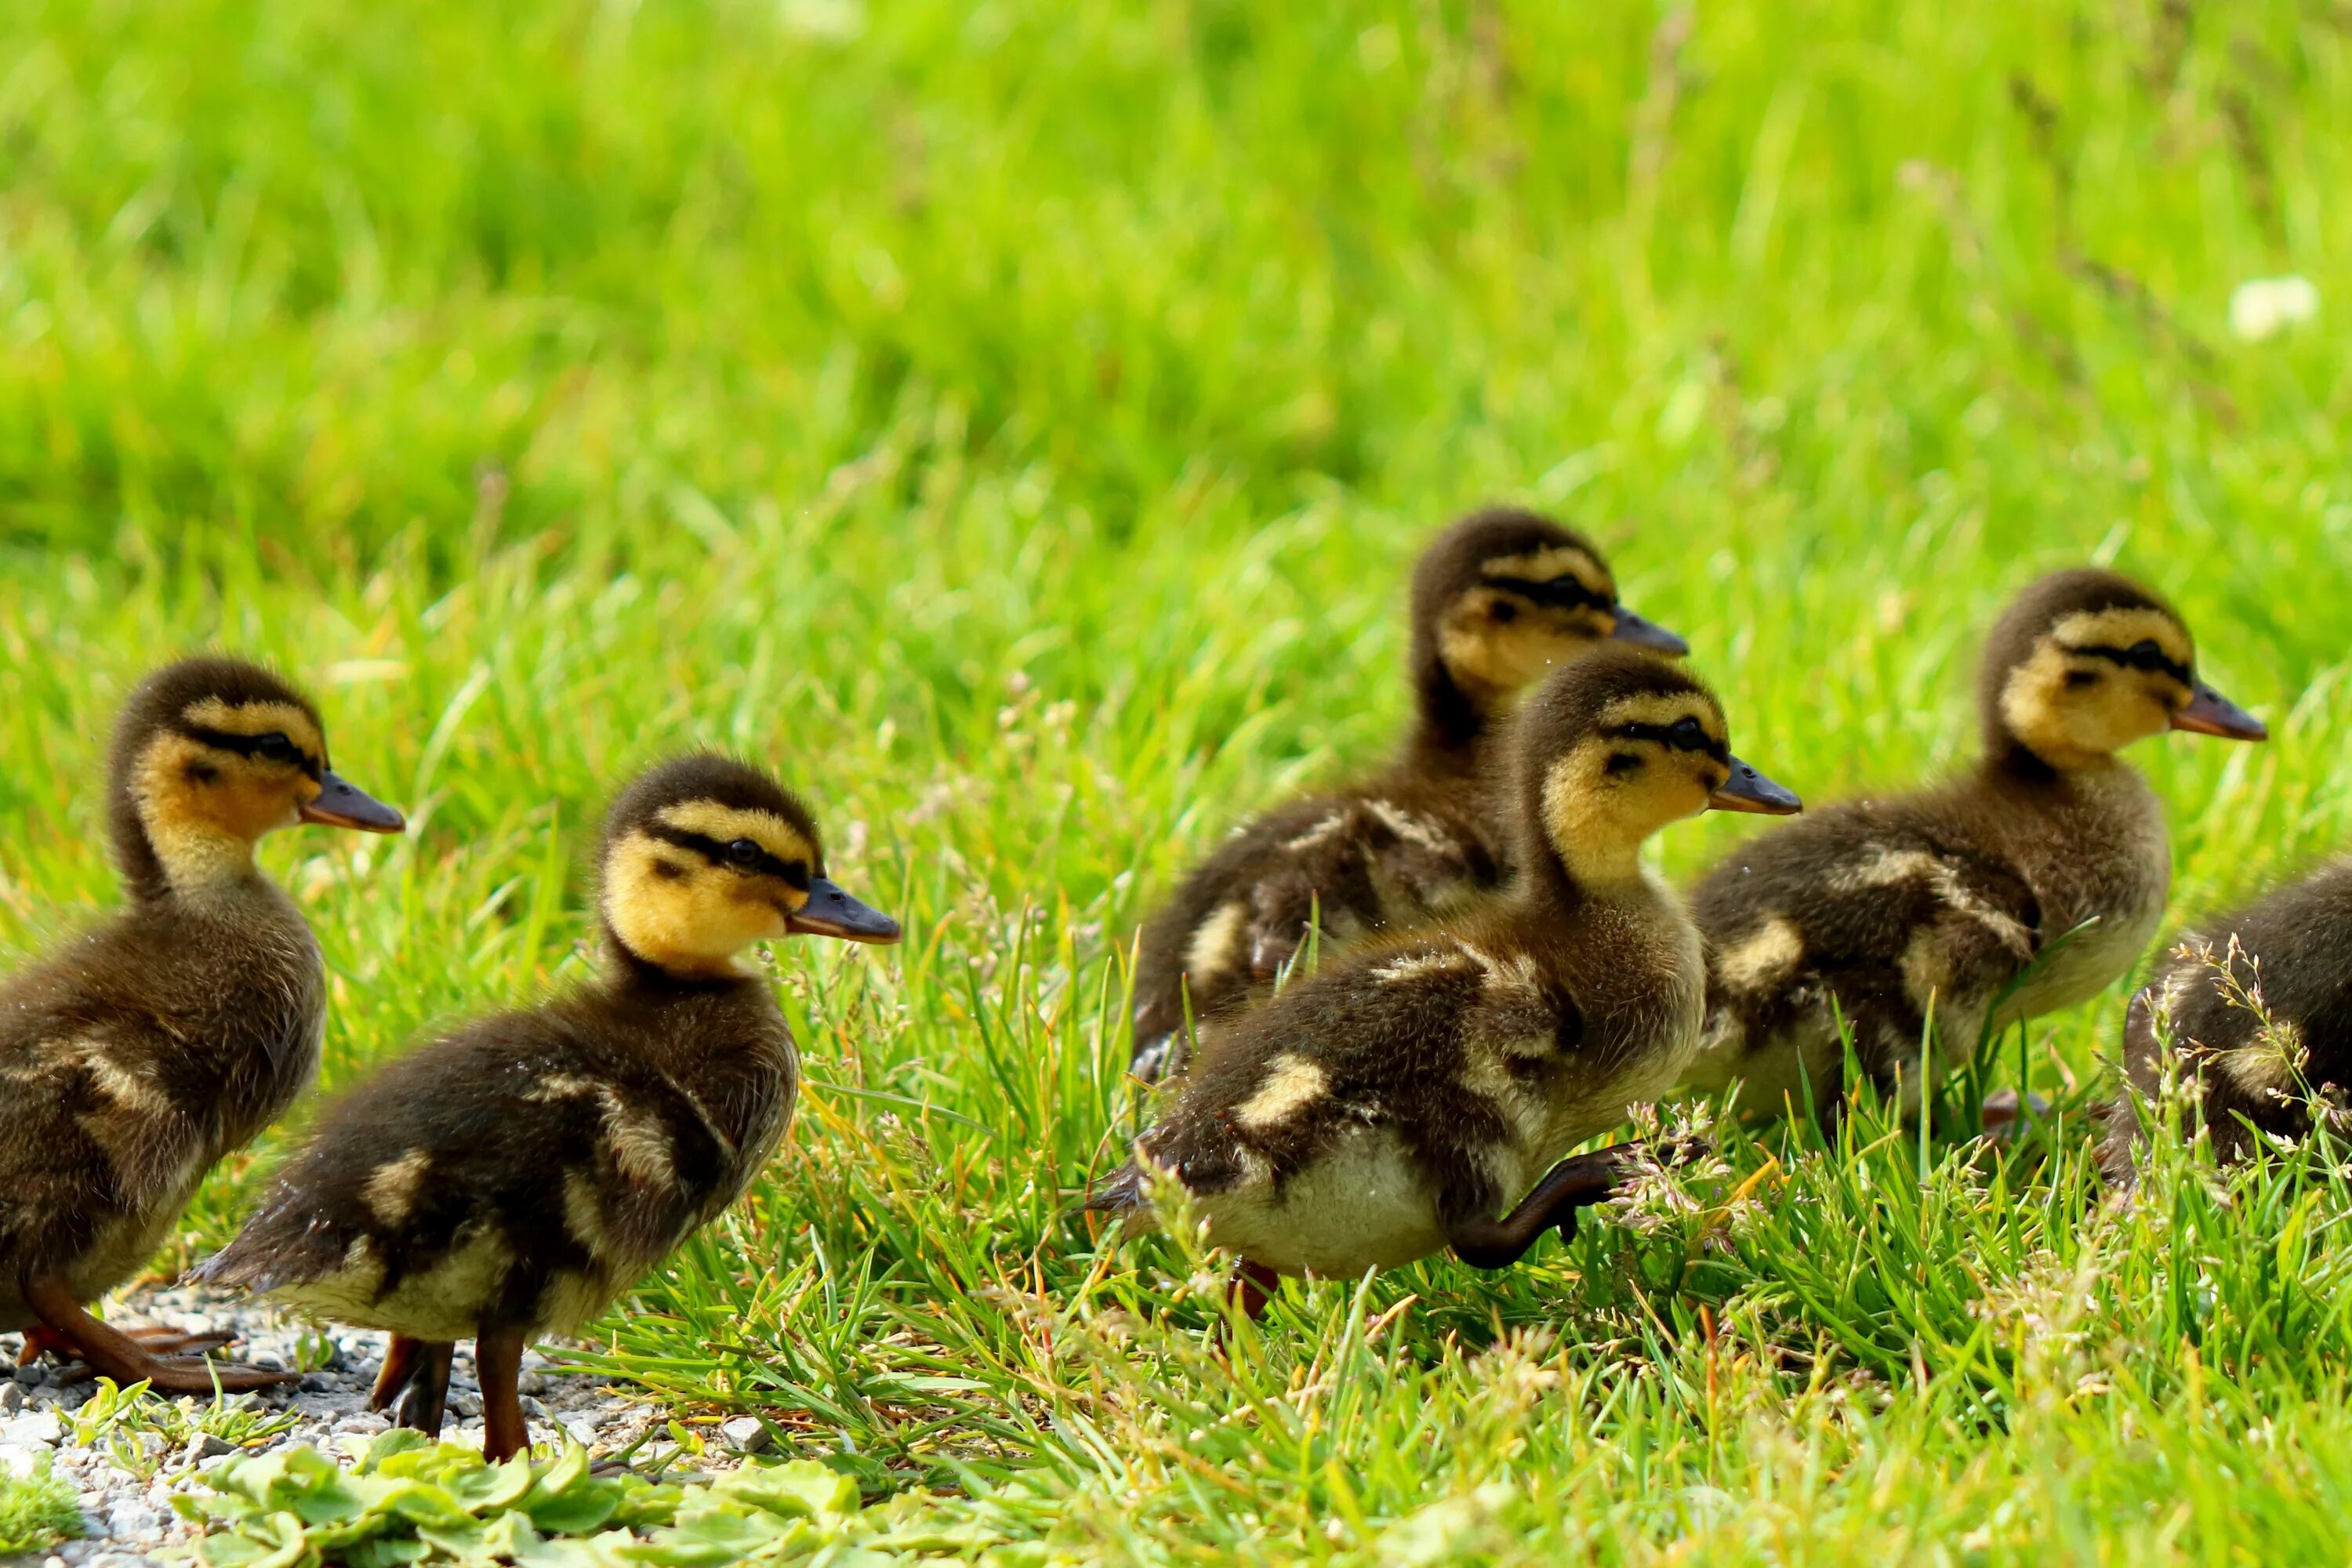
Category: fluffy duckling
[136,1056]
[511,1179]
[1885,909]
[1417,1093]
[1498,599]
[2256,1011]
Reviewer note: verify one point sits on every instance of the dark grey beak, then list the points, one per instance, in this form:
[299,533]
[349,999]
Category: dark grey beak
[832,912]
[340,805]
[2210,713]
[1641,633]
[1747,790]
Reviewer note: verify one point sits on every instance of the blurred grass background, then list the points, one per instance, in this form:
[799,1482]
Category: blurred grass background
[1015,423]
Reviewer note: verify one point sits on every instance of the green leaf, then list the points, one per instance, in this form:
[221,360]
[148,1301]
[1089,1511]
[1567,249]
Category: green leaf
[797,1487]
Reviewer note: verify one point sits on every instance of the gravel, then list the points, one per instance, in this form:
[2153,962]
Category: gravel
[128,1518]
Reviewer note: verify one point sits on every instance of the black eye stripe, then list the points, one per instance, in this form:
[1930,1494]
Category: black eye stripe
[1666,735]
[793,872]
[1562,593]
[248,746]
[2140,656]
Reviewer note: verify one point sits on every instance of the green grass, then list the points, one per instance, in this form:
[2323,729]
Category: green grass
[37,1510]
[1016,422]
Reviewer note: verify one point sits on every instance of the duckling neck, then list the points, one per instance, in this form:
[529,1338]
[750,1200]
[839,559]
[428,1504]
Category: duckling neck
[2009,760]
[1448,724]
[669,975]
[184,859]
[1560,882]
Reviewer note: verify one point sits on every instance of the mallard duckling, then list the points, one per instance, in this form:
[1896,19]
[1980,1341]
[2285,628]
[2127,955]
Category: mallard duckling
[136,1056]
[2256,1011]
[1402,1098]
[2049,856]
[1498,599]
[511,1179]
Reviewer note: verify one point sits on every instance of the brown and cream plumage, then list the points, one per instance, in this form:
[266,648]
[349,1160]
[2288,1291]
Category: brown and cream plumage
[2254,1013]
[1419,1092]
[509,1180]
[132,1059]
[2031,882]
[1498,599]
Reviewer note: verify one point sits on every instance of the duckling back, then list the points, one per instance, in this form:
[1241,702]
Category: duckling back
[2252,1012]
[524,1169]
[134,1061]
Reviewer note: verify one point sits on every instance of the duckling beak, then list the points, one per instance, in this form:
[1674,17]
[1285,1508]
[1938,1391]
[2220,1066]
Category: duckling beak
[2210,713]
[1747,790]
[832,912]
[340,805]
[1644,633]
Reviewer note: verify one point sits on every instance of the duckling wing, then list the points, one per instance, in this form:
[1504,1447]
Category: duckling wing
[1437,1040]
[1344,865]
[96,1134]
[517,1172]
[1889,918]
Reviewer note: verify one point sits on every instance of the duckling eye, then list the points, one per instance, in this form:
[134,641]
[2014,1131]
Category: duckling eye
[275,746]
[1505,612]
[1687,734]
[744,852]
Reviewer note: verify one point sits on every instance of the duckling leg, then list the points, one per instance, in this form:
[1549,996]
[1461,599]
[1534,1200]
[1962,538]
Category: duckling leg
[1253,1286]
[415,1383]
[497,1363]
[1574,1183]
[122,1357]
[160,1341]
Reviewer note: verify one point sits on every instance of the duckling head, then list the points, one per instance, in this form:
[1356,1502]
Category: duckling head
[1503,595]
[1613,747]
[210,755]
[2084,663]
[705,856]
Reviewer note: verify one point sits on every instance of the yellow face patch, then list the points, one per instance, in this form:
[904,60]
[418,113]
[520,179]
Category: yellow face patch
[1496,643]
[1628,780]
[252,718]
[203,808]
[672,906]
[1549,565]
[726,823]
[2074,702]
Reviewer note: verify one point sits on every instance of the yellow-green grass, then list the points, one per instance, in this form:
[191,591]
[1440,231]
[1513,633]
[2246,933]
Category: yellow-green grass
[1014,424]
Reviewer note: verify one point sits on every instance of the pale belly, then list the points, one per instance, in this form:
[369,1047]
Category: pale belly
[1363,1206]
[444,1302]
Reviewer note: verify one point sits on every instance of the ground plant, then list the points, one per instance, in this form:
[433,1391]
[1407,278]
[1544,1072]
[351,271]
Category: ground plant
[1014,422]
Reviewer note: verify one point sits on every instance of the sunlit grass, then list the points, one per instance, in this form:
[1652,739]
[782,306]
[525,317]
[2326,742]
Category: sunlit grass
[1015,424]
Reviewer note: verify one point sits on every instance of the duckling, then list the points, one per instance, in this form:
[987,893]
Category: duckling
[1498,598]
[2028,883]
[511,1179]
[138,1055]
[2290,955]
[1399,1101]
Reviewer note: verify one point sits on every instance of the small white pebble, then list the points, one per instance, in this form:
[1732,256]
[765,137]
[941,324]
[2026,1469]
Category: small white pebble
[746,1434]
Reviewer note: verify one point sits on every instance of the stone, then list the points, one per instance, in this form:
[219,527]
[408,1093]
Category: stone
[41,1427]
[746,1435]
[583,1430]
[205,1446]
[366,1424]
[12,1396]
[21,1458]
